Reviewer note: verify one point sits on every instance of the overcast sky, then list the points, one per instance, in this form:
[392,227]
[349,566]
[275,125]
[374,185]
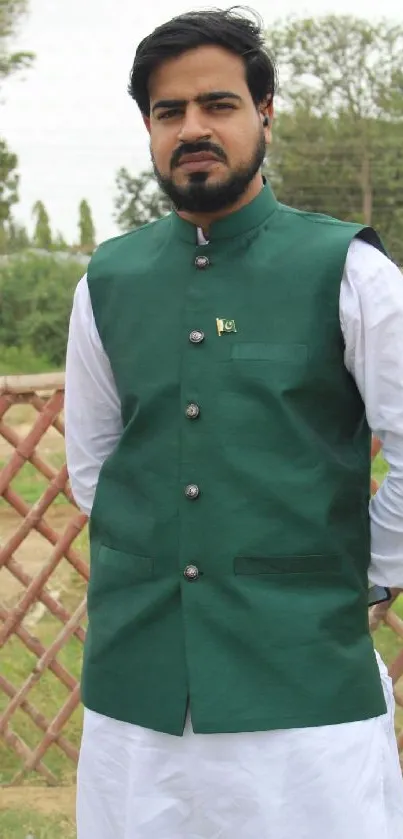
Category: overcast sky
[69,118]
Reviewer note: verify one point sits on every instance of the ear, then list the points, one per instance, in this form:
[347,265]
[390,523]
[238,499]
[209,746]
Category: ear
[267,114]
[147,123]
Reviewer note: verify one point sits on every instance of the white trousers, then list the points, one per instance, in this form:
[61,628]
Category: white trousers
[329,782]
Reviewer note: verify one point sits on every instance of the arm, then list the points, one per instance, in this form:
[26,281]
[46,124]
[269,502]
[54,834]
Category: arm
[92,407]
[371,316]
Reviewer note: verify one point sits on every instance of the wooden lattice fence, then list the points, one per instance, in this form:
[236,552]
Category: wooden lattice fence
[43,587]
[19,612]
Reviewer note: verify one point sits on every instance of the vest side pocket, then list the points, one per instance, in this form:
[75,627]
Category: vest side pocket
[125,567]
[308,564]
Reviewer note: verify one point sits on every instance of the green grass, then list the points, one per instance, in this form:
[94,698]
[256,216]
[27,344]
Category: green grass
[48,695]
[30,484]
[18,361]
[379,468]
[18,824]
[385,640]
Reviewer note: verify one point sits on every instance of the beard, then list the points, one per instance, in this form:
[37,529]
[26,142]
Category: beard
[199,196]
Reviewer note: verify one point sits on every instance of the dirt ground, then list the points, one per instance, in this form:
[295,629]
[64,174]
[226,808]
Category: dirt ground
[51,441]
[33,552]
[49,801]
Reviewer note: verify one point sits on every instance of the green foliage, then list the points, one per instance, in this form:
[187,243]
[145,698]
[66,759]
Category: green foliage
[35,302]
[10,14]
[21,360]
[339,131]
[316,164]
[340,64]
[86,228]
[8,184]
[42,234]
[60,244]
[17,237]
[139,200]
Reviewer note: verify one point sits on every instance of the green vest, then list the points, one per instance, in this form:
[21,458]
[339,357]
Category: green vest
[230,530]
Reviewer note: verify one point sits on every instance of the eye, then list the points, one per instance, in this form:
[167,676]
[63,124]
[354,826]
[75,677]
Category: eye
[220,106]
[173,112]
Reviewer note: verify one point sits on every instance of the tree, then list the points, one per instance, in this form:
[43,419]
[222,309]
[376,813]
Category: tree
[8,181]
[339,63]
[340,123]
[315,165]
[139,200]
[10,14]
[42,234]
[36,292]
[18,239]
[8,191]
[86,228]
[59,243]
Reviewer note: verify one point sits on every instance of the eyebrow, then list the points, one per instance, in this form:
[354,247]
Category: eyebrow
[201,99]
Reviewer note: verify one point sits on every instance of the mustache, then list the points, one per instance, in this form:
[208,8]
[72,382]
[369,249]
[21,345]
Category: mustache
[196,148]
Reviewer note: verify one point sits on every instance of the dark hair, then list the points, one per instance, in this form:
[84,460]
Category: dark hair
[231,29]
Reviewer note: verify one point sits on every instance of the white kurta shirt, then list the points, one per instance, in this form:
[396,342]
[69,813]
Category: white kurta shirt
[339,781]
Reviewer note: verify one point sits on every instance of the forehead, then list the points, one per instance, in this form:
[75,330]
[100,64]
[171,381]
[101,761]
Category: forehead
[198,71]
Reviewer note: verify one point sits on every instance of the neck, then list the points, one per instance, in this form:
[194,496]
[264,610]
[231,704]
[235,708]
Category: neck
[204,220]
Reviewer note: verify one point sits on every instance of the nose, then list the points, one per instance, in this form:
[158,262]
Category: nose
[193,127]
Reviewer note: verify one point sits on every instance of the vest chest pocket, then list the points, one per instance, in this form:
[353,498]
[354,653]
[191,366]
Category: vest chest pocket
[275,353]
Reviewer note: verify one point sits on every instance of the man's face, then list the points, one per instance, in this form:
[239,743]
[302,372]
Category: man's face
[207,138]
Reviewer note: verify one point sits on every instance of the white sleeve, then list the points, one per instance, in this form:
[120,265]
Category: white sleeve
[92,407]
[371,316]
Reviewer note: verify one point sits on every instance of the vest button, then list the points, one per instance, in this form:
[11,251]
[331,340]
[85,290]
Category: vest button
[192,491]
[202,262]
[191,572]
[196,337]
[192,411]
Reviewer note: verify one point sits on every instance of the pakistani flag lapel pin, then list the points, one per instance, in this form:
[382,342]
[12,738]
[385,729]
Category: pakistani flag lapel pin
[224,325]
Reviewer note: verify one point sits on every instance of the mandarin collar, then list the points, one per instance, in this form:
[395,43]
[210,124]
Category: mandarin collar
[234,224]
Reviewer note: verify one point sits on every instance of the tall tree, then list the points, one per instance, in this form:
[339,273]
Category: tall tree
[10,62]
[344,69]
[8,191]
[315,164]
[17,238]
[10,14]
[86,228]
[139,199]
[42,234]
[59,243]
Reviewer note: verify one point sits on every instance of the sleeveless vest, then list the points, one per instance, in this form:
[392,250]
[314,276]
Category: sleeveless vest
[230,536]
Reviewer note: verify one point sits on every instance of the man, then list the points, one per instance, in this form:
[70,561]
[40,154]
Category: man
[224,366]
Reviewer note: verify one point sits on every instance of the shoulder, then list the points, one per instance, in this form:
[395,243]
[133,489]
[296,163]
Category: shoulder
[364,258]
[374,281]
[321,226]
[320,220]
[319,234]
[139,242]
